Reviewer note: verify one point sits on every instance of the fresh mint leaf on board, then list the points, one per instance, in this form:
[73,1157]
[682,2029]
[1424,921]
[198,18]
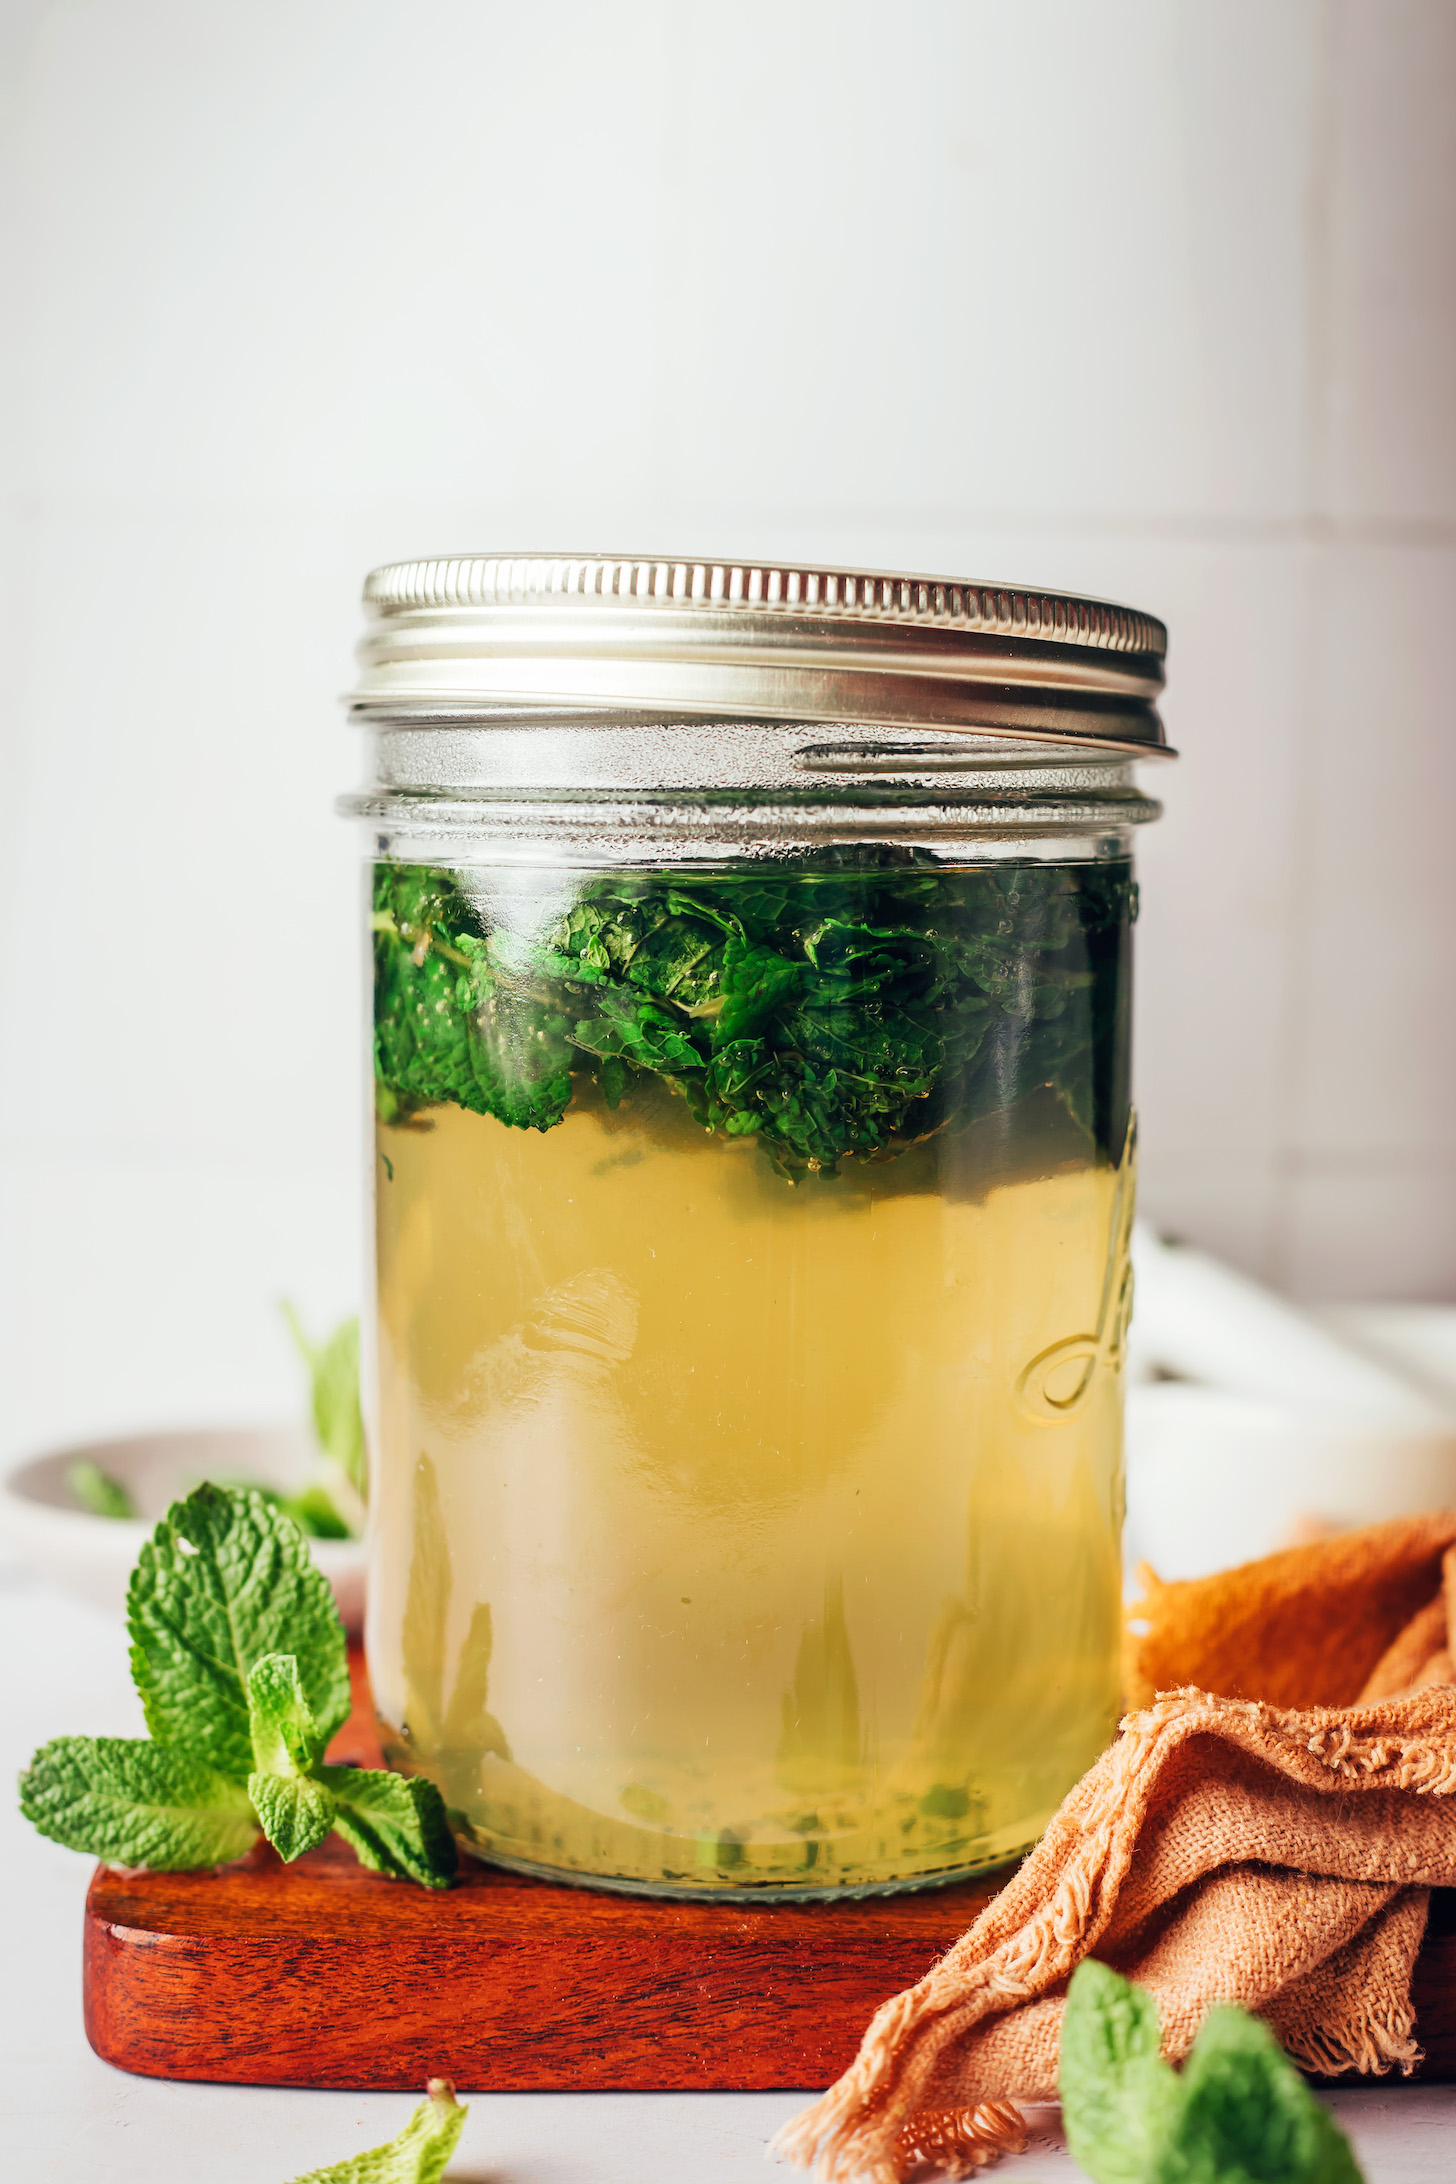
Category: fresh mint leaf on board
[97,1492]
[393,1823]
[1239,2114]
[239,1725]
[134,1803]
[286,1737]
[296,1813]
[418,2156]
[224,1580]
[828,1014]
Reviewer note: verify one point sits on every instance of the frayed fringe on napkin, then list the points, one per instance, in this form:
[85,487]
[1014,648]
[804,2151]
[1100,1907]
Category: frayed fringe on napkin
[1223,1849]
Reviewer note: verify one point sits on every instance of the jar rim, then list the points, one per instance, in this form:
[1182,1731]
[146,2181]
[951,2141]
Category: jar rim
[644,831]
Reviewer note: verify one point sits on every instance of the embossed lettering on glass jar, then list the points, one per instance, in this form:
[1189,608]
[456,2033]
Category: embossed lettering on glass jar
[754,1168]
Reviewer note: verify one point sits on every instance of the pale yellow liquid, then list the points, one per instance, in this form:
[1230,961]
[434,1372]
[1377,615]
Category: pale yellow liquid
[714,1546]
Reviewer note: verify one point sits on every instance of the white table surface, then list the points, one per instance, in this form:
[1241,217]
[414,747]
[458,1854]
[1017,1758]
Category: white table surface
[70,2117]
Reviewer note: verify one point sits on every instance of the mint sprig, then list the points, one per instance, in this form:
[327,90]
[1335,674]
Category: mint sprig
[418,2156]
[239,1657]
[1238,2114]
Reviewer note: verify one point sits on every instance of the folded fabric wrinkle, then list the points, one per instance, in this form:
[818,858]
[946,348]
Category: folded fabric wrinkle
[1273,1850]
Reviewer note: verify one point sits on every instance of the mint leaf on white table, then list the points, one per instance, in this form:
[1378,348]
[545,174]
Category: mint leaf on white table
[417,2156]
[1246,2112]
[1112,2079]
[1239,2114]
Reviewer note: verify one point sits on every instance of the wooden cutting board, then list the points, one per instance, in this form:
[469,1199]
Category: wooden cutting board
[322,1974]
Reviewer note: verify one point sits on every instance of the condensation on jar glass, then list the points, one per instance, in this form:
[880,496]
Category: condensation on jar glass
[752,1181]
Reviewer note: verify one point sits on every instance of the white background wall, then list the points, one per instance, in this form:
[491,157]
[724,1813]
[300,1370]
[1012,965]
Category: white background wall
[1145,298]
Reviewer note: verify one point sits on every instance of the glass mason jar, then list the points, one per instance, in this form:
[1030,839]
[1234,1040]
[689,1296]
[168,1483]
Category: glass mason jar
[754,1173]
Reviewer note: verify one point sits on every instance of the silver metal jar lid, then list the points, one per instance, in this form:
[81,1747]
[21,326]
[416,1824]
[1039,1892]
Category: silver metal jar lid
[475,634]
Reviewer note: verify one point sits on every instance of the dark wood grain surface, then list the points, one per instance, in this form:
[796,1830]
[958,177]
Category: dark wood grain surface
[321,1974]
[325,1975]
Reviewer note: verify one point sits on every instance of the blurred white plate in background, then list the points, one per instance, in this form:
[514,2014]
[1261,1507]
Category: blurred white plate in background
[1416,1340]
[1216,1477]
[1252,1422]
[94,1556]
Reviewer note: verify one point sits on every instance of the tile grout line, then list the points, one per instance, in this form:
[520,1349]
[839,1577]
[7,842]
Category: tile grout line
[1308,528]
[1294,1030]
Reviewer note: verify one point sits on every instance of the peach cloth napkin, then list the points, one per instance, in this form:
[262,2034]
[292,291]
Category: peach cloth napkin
[1268,1840]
